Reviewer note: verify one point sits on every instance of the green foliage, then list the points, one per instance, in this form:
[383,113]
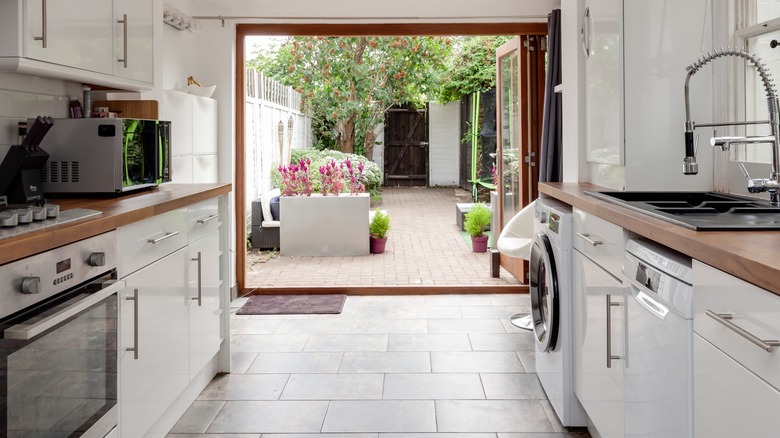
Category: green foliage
[372,176]
[349,82]
[477,220]
[379,225]
[471,67]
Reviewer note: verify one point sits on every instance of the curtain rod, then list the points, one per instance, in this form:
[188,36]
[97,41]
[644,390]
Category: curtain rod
[395,20]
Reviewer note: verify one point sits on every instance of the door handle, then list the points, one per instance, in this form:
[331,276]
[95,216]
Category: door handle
[208,219]
[767,345]
[123,22]
[134,348]
[199,298]
[610,356]
[160,239]
[44,22]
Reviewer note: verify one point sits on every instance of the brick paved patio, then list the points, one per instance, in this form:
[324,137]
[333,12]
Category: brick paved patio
[424,248]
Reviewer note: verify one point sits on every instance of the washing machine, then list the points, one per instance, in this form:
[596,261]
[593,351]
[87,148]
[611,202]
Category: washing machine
[551,308]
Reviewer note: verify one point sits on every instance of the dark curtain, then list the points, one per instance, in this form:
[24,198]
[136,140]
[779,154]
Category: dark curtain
[551,149]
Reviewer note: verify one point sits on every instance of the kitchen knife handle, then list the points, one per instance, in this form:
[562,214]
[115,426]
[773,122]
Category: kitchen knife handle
[43,38]
[123,22]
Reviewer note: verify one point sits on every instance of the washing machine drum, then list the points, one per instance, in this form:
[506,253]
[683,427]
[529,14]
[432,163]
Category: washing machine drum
[544,292]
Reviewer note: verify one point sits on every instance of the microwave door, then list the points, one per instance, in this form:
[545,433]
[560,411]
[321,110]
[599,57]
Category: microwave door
[163,152]
[139,153]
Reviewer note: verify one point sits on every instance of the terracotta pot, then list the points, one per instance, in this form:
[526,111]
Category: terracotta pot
[377,244]
[479,244]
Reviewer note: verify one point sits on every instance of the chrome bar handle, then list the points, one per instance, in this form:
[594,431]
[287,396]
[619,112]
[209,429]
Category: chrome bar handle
[123,22]
[199,298]
[134,348]
[586,237]
[160,239]
[585,32]
[767,345]
[208,219]
[610,357]
[43,38]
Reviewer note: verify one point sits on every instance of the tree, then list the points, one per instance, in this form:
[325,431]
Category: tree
[349,83]
[471,67]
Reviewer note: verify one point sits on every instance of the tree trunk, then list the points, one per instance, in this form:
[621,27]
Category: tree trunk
[348,136]
[368,142]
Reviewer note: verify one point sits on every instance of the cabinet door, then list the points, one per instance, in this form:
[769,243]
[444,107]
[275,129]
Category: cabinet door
[77,35]
[133,39]
[154,322]
[729,400]
[602,35]
[204,285]
[598,381]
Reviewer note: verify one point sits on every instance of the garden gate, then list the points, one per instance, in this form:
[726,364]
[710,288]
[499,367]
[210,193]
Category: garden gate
[406,147]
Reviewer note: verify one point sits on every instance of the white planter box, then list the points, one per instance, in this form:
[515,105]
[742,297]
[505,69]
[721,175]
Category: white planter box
[324,225]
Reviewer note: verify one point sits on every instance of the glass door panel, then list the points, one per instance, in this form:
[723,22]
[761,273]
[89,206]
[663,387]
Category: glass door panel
[508,119]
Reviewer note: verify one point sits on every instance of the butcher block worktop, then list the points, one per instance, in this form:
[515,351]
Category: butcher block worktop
[749,255]
[117,211]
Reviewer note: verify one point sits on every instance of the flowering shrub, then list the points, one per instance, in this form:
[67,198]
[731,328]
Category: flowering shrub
[353,175]
[370,176]
[331,178]
[295,179]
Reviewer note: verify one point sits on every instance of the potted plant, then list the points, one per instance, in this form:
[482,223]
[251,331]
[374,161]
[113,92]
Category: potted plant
[477,221]
[378,228]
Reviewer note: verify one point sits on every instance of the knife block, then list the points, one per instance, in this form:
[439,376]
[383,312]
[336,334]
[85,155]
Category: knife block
[20,175]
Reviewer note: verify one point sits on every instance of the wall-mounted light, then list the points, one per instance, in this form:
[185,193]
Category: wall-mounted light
[179,20]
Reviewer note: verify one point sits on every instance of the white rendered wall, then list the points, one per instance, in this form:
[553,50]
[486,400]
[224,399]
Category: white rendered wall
[444,147]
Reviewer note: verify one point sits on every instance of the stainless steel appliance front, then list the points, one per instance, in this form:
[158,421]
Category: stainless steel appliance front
[106,155]
[58,340]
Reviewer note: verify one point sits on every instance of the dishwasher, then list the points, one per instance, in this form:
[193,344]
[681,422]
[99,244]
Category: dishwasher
[658,365]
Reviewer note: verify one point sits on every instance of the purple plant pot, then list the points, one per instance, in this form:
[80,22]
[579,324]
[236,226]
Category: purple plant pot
[479,244]
[377,244]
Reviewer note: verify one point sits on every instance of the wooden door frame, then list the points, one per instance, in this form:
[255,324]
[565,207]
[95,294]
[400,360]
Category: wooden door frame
[344,29]
[531,71]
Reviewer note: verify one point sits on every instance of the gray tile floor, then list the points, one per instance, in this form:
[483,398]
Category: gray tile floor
[443,366]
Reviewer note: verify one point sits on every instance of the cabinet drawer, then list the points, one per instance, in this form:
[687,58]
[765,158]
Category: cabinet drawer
[203,219]
[602,241]
[144,242]
[753,310]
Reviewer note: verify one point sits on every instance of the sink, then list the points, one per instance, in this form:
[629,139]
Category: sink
[701,211]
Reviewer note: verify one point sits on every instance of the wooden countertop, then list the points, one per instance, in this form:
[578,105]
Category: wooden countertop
[749,255]
[117,211]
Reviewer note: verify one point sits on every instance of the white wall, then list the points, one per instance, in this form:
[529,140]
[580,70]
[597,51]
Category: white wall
[444,143]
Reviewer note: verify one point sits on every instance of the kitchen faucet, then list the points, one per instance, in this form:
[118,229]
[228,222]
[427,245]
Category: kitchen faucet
[754,185]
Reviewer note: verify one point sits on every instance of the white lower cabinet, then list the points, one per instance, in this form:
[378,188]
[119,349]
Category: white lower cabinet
[729,400]
[154,342]
[205,311]
[599,333]
[736,367]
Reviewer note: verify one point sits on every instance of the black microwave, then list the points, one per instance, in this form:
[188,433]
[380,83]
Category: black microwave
[106,155]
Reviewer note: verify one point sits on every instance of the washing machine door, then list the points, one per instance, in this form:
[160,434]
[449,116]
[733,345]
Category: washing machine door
[544,292]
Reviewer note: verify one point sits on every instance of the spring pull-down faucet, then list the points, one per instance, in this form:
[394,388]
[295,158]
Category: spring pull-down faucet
[755,185]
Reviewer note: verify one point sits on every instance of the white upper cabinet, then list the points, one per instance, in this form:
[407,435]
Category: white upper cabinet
[56,31]
[133,40]
[635,57]
[84,41]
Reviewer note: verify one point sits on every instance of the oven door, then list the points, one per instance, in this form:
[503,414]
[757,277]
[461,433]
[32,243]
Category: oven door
[58,364]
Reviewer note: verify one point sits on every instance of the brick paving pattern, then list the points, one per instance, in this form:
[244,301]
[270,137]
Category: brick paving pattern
[424,248]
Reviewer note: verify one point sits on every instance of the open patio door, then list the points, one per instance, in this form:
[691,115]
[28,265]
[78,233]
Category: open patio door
[520,75]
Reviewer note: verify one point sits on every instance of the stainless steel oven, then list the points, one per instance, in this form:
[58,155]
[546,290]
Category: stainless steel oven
[58,345]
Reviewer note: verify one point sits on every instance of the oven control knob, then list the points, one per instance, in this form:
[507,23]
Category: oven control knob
[97,259]
[31,285]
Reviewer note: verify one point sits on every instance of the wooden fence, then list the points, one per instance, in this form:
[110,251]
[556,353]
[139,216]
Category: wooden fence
[274,126]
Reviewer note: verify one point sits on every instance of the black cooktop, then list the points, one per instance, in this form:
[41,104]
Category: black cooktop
[700,211]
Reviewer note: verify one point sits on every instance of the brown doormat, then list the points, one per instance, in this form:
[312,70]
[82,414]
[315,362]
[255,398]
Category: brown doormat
[292,304]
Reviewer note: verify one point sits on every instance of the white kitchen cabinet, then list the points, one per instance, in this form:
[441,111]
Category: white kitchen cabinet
[599,318]
[133,40]
[205,311]
[195,142]
[635,58]
[154,318]
[79,41]
[736,377]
